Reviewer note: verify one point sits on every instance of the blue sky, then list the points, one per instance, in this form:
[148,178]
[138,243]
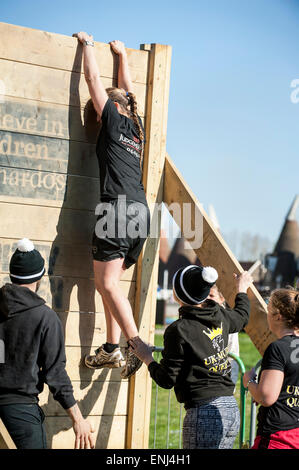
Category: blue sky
[233,130]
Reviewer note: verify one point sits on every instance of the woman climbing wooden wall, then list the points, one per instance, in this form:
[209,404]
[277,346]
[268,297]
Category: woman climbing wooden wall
[49,189]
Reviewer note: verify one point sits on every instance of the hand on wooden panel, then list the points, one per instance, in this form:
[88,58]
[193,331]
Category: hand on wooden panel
[83,431]
[82,36]
[243,282]
[118,47]
[82,428]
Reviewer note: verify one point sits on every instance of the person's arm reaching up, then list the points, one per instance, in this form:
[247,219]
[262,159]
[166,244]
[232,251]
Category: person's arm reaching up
[96,88]
[124,76]
[239,315]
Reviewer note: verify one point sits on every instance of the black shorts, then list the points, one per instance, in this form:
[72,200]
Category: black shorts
[121,230]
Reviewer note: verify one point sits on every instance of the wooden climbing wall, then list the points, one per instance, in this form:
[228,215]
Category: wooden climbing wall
[49,188]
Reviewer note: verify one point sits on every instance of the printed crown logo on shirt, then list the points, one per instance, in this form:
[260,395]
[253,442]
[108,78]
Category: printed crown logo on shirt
[212,333]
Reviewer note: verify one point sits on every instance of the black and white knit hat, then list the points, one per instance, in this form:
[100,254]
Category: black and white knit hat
[26,264]
[192,284]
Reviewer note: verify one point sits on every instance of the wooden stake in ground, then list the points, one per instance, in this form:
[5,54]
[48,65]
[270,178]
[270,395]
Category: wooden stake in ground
[147,267]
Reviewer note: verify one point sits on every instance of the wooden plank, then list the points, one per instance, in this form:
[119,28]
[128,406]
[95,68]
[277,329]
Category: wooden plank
[215,252]
[31,187]
[147,267]
[86,329]
[60,156]
[109,432]
[49,85]
[60,51]
[46,223]
[18,185]
[63,258]
[58,121]
[38,222]
[34,152]
[6,441]
[93,398]
[36,136]
[71,294]
[47,120]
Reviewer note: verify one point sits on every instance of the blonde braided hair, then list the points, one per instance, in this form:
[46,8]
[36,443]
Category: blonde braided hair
[128,103]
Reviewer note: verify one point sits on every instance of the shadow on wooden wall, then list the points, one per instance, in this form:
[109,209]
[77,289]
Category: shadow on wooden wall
[72,248]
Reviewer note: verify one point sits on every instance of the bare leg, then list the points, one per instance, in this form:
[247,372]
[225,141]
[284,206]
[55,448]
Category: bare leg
[113,330]
[107,276]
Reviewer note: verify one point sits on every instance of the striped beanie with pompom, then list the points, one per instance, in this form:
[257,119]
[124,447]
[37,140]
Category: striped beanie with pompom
[192,284]
[26,265]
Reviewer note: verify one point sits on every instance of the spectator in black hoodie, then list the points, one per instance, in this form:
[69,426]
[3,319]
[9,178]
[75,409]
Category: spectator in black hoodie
[34,354]
[195,357]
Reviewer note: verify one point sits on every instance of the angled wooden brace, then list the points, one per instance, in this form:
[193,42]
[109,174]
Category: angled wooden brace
[6,441]
[212,250]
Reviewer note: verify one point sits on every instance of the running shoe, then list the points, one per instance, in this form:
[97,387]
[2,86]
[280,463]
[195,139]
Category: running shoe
[104,359]
[132,364]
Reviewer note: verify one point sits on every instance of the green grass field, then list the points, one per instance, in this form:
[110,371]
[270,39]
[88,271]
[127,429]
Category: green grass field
[168,409]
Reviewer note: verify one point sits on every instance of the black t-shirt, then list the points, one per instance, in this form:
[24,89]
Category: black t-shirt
[284,413]
[119,151]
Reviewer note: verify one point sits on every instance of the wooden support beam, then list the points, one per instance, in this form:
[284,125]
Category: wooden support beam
[147,267]
[213,250]
[56,51]
[53,86]
[6,441]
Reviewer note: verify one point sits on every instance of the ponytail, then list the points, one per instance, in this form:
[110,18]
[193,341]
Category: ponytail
[128,102]
[132,103]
